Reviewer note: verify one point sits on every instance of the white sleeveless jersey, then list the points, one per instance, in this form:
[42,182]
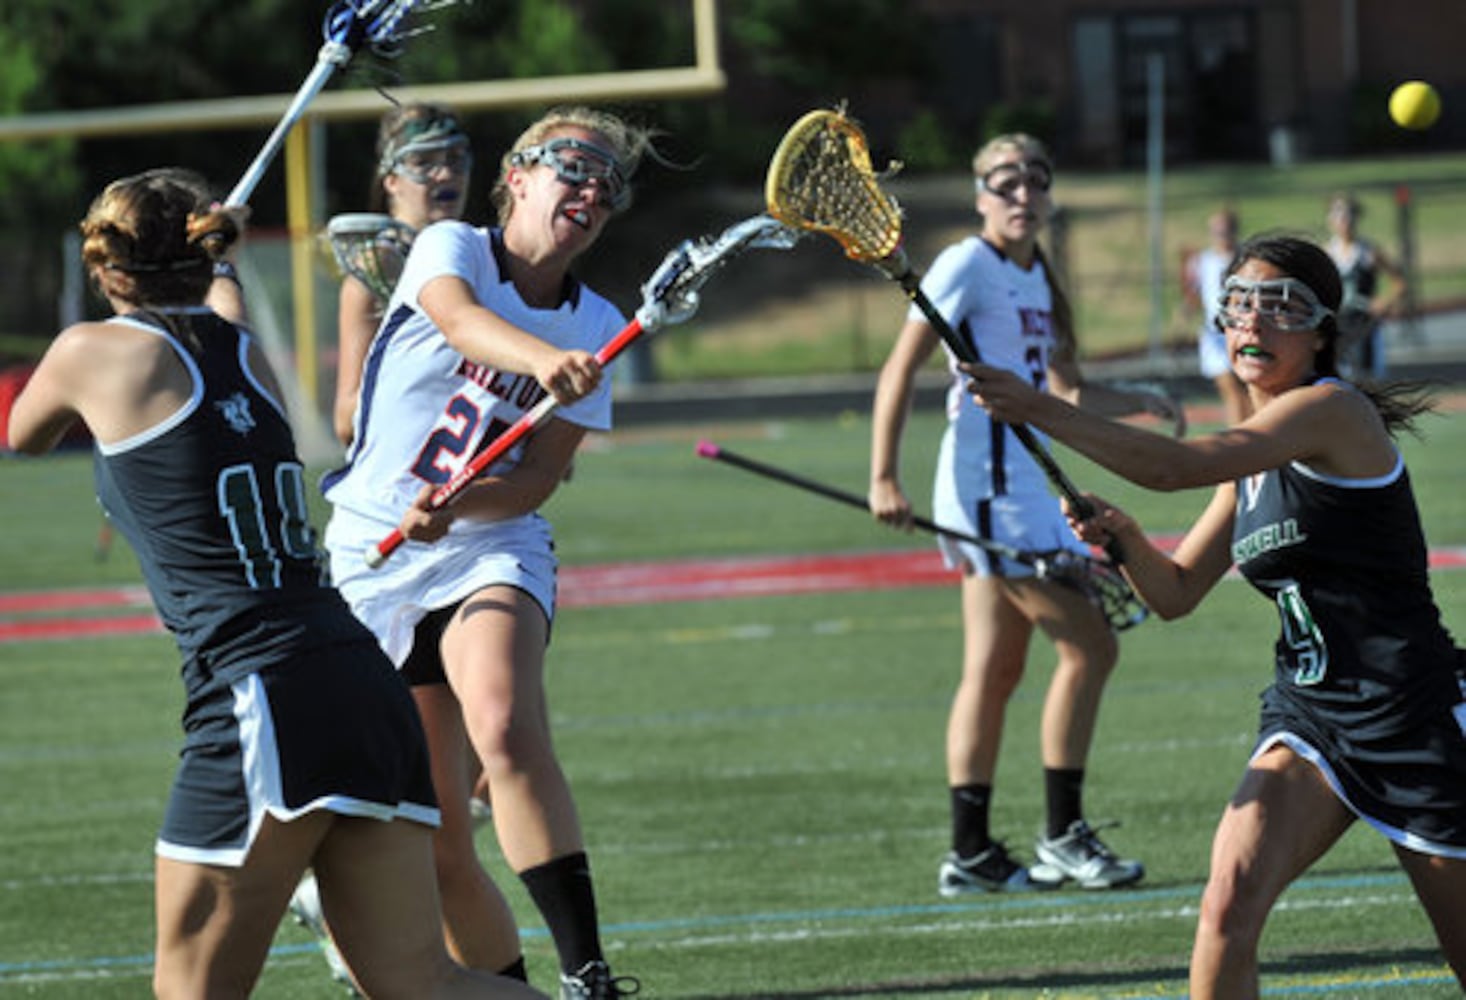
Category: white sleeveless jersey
[425,411]
[986,483]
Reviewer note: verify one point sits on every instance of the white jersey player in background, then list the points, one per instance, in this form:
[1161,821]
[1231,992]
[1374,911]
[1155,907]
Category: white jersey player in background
[1206,269]
[482,324]
[997,289]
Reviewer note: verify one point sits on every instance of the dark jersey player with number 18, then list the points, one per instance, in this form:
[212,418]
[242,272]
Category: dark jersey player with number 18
[302,745]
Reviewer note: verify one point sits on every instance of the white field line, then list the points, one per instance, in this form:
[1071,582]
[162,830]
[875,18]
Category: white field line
[825,930]
[1120,909]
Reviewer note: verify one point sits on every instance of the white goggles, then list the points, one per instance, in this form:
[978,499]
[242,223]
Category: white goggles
[1283,303]
[577,163]
[420,159]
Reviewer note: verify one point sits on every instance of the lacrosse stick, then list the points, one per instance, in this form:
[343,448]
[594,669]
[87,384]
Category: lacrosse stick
[670,295]
[349,25]
[821,180]
[371,247]
[1096,579]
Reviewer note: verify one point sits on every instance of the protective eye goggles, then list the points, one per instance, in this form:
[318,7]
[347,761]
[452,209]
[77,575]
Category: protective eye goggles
[1283,303]
[1005,180]
[577,163]
[418,160]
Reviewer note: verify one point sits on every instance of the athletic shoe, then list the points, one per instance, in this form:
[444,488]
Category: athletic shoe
[991,871]
[1081,856]
[480,813]
[305,906]
[595,982]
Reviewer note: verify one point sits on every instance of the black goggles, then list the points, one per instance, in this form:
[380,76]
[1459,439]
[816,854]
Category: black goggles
[1005,180]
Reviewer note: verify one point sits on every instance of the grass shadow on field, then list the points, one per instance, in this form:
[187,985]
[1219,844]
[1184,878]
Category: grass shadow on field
[1358,965]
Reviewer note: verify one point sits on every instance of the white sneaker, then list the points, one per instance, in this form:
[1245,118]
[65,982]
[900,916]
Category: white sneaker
[1081,856]
[480,812]
[305,906]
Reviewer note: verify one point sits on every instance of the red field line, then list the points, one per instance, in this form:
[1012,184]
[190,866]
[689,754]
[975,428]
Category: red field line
[580,586]
[69,613]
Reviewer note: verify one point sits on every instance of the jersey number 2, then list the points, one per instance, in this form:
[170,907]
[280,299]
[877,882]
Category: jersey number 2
[445,447]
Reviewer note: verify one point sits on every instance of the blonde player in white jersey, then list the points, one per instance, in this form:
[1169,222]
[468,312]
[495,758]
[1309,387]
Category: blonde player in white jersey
[997,289]
[482,324]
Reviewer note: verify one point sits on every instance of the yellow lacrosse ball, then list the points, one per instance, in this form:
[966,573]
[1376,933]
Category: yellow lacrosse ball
[1415,105]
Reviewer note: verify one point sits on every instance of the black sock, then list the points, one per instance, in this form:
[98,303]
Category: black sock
[1063,791]
[562,891]
[970,804]
[516,970]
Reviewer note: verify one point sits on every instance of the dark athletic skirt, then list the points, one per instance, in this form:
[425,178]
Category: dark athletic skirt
[1406,781]
[334,729]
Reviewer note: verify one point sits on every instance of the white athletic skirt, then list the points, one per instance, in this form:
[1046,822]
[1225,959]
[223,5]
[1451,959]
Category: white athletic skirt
[1026,517]
[419,578]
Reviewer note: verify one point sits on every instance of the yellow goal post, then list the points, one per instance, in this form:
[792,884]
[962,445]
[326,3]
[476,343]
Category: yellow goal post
[704,78]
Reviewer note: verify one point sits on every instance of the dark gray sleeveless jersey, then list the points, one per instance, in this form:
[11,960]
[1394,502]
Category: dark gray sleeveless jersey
[212,500]
[1362,646]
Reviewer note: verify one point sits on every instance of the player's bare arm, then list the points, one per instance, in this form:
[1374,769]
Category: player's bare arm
[484,336]
[914,346]
[523,489]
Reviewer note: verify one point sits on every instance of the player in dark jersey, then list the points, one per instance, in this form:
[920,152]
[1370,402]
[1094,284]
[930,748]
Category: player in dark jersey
[303,747]
[1365,715]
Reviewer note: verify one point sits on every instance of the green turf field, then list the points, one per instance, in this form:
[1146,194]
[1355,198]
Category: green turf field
[761,779]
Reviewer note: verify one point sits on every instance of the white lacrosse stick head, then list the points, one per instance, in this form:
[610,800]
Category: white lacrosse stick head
[371,247]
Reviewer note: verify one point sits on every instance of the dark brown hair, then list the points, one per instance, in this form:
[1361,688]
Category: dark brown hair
[1398,402]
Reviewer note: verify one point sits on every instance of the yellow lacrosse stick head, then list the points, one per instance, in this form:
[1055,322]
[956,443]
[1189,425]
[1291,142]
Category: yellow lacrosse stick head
[821,180]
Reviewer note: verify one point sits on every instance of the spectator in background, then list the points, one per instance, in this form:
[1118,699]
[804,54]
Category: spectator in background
[1202,282]
[1363,267]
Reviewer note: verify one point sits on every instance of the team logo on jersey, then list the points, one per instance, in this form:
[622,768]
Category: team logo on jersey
[1252,489]
[235,410]
[1037,323]
[1269,538]
[524,391]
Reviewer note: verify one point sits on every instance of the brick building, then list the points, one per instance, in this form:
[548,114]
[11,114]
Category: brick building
[1243,79]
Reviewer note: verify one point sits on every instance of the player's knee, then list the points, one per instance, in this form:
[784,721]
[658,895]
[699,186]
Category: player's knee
[1233,909]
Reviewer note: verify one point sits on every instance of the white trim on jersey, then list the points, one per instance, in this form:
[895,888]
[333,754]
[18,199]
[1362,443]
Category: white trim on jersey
[196,395]
[1396,835]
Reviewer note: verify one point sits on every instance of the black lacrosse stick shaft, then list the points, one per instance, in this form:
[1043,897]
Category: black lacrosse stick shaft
[1109,591]
[967,351]
[709,450]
